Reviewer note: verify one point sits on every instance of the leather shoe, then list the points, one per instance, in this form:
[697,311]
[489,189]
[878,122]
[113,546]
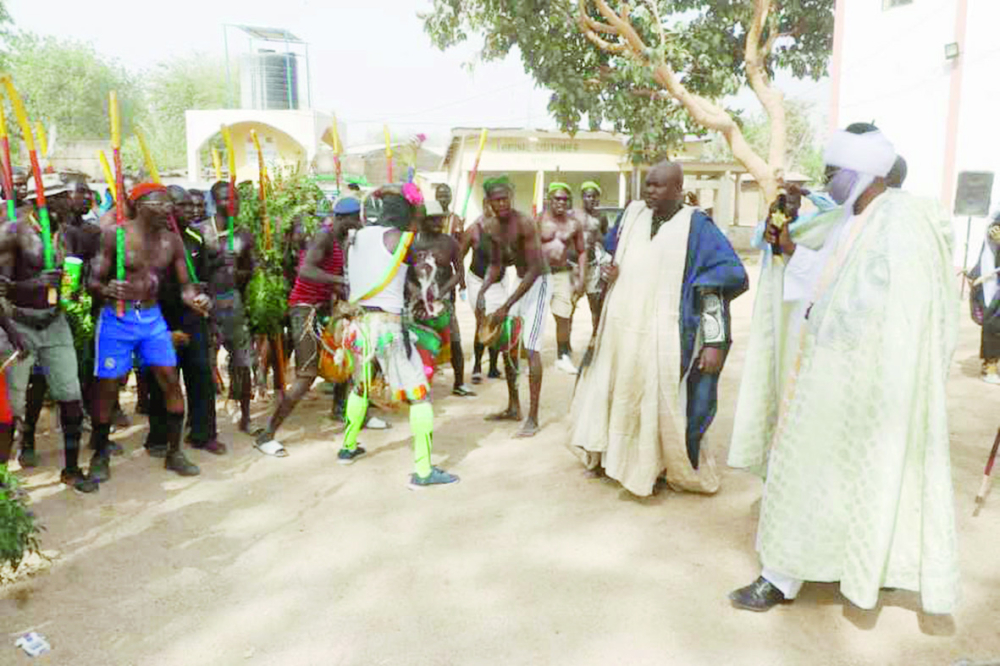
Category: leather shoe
[178,462]
[758,596]
[100,468]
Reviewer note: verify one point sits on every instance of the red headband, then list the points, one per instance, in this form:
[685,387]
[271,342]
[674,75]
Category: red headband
[142,189]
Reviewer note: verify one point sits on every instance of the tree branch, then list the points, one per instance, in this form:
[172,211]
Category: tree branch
[773,100]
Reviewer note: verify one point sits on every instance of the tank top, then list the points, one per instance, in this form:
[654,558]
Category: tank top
[369,264]
[305,292]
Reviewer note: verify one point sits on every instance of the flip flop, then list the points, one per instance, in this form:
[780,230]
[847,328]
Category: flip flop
[375,423]
[272,448]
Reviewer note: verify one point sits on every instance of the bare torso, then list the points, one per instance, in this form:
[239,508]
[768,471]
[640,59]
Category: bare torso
[236,268]
[557,237]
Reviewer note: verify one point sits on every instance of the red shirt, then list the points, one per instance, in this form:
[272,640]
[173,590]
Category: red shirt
[313,293]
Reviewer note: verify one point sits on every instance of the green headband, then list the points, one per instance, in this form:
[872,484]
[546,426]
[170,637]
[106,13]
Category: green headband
[591,185]
[554,187]
[497,181]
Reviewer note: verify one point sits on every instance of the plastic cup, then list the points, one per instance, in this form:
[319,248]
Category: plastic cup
[72,269]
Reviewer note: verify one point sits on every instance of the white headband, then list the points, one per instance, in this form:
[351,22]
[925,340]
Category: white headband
[869,153]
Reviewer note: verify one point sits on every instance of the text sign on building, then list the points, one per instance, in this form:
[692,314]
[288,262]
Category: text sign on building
[975,189]
[540,146]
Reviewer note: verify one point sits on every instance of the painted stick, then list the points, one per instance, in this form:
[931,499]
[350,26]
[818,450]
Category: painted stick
[227,138]
[154,173]
[109,176]
[8,171]
[116,155]
[337,150]
[43,146]
[985,486]
[534,197]
[388,150]
[217,163]
[474,172]
[262,168]
[418,141]
[43,209]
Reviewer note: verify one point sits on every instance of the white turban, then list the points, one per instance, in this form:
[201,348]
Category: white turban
[869,153]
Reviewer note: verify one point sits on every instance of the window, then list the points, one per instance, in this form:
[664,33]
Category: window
[890,4]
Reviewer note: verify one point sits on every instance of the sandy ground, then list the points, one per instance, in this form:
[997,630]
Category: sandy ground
[526,561]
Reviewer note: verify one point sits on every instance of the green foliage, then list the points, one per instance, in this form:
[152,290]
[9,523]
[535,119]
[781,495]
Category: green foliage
[18,527]
[81,322]
[803,153]
[266,302]
[704,42]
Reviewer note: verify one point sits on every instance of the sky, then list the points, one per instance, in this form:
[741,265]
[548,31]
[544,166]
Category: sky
[371,61]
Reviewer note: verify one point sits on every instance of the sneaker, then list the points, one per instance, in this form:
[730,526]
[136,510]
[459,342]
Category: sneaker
[178,462]
[76,479]
[345,457]
[463,391]
[477,378]
[100,468]
[991,378]
[375,423]
[565,363]
[437,477]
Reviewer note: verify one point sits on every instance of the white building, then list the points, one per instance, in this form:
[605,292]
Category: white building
[925,72]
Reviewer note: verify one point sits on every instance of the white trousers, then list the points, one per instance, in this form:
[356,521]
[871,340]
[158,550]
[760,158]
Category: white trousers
[789,586]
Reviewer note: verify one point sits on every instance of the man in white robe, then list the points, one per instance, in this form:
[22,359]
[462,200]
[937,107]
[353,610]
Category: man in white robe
[858,482]
[643,407]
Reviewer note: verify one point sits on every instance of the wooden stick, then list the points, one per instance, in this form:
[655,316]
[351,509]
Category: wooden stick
[116,154]
[154,173]
[388,150]
[474,172]
[8,170]
[217,163]
[109,177]
[43,209]
[337,150]
[227,138]
[262,168]
[984,487]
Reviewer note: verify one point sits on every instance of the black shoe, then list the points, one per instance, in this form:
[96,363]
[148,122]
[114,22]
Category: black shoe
[177,462]
[758,596]
[28,458]
[76,479]
[494,374]
[100,468]
[157,450]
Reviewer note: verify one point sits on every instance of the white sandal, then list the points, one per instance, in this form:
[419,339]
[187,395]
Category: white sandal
[272,448]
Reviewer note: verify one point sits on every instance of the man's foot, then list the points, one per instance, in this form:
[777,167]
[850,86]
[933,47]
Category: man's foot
[529,429]
[991,378]
[506,415]
[76,479]
[178,462]
[346,457]
[246,427]
[157,451]
[437,477]
[100,468]
[494,374]
[758,596]
[28,458]
[565,363]
[212,446]
[463,391]
[477,377]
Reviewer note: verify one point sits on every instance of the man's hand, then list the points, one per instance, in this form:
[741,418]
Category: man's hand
[481,303]
[201,304]
[180,339]
[711,360]
[120,290]
[17,342]
[499,315]
[784,239]
[610,273]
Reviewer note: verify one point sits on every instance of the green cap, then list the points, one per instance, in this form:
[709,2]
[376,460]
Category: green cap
[560,186]
[591,185]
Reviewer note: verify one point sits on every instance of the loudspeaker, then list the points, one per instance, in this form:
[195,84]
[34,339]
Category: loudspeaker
[975,189]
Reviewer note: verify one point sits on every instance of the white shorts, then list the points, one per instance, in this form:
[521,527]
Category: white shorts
[533,310]
[562,300]
[496,295]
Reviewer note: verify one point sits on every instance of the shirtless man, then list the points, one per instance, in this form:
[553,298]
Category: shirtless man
[479,241]
[597,257]
[42,325]
[454,225]
[81,239]
[515,242]
[436,249]
[152,250]
[226,284]
[562,236]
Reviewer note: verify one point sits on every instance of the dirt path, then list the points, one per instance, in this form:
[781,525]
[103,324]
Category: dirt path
[303,561]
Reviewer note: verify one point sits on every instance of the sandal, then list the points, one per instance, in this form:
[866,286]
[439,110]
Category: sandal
[271,448]
[463,391]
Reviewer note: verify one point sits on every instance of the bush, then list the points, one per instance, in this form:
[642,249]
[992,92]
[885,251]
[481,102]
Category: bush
[18,528]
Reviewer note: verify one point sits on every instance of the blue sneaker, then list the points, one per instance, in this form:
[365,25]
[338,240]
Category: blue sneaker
[437,477]
[345,457]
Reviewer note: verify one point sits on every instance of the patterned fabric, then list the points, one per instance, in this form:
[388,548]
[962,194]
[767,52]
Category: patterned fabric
[378,336]
[859,477]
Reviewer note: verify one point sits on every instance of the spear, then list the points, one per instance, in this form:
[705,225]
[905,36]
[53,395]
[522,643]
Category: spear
[154,175]
[985,486]
[227,138]
[217,163]
[8,171]
[388,150]
[43,145]
[263,192]
[474,172]
[116,154]
[43,209]
[337,149]
[109,177]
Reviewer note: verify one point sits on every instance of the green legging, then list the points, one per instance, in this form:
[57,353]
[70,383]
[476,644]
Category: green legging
[421,425]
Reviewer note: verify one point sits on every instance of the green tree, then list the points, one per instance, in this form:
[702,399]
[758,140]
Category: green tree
[653,68]
[65,83]
[196,81]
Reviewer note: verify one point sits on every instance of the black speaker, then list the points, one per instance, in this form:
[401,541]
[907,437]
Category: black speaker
[975,188]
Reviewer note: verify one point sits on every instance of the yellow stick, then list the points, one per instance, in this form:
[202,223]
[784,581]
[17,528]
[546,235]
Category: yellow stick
[109,177]
[3,123]
[227,138]
[116,125]
[147,156]
[19,113]
[43,139]
[217,163]
[338,147]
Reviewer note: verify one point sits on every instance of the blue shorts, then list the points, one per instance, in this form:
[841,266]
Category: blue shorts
[141,331]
